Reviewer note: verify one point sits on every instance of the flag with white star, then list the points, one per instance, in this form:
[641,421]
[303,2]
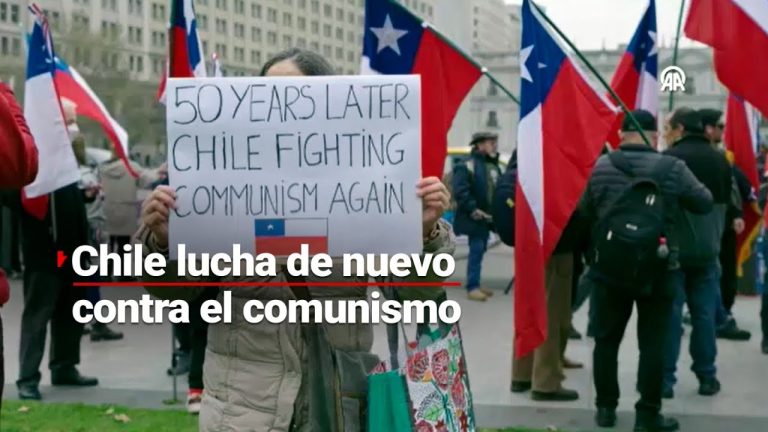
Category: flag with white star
[396,42]
[563,125]
[636,78]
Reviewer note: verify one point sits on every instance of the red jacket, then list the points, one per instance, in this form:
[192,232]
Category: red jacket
[18,155]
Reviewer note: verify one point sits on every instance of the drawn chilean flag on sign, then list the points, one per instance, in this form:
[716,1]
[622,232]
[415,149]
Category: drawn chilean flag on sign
[282,237]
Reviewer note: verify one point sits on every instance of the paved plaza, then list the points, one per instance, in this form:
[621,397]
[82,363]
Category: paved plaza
[133,371]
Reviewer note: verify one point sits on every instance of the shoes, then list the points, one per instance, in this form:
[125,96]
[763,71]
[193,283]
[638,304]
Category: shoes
[101,332]
[657,424]
[667,393]
[194,401]
[520,386]
[605,417]
[731,331]
[183,361]
[487,291]
[29,392]
[574,334]
[562,395]
[72,377]
[709,386]
[571,364]
[764,347]
[477,295]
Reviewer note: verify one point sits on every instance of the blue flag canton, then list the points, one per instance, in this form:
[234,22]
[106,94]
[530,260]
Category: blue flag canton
[540,60]
[391,37]
[269,227]
[643,45]
[40,60]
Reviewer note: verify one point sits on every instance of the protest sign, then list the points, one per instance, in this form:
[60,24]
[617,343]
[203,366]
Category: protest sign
[271,163]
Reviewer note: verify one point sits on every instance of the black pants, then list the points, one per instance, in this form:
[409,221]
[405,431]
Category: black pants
[728,260]
[48,297]
[613,307]
[198,338]
[2,362]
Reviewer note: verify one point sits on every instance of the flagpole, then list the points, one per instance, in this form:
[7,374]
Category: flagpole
[450,43]
[674,51]
[594,71]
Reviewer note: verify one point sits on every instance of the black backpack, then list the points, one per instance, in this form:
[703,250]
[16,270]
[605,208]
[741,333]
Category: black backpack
[625,242]
[503,205]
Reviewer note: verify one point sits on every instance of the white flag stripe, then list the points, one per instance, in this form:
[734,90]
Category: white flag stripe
[648,93]
[530,155]
[306,227]
[57,166]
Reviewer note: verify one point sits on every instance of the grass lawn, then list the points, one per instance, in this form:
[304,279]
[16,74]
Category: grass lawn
[41,417]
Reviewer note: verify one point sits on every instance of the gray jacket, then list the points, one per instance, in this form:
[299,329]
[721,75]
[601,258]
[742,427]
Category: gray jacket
[680,188]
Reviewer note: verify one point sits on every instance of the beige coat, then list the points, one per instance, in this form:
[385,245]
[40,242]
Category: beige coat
[121,202]
[255,374]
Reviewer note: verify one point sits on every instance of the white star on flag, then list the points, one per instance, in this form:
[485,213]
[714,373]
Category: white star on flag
[270,227]
[524,54]
[388,36]
[654,48]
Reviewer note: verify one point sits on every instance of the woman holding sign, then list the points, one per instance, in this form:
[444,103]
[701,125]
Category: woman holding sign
[282,377]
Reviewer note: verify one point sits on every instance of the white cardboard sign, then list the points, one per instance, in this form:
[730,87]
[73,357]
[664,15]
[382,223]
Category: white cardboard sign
[270,163]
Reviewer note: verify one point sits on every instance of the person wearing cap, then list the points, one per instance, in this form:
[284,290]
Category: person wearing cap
[697,280]
[473,184]
[613,305]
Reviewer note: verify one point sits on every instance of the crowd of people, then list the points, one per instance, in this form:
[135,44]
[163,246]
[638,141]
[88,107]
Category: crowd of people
[654,230]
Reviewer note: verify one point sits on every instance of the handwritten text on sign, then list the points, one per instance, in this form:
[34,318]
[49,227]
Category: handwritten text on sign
[270,163]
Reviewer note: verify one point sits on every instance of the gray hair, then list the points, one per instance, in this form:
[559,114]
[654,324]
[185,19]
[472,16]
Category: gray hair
[308,62]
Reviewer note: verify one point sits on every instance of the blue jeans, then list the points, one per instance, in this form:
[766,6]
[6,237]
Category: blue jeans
[700,287]
[477,248]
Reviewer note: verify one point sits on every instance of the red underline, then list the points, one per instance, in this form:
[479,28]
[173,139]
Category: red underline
[268,284]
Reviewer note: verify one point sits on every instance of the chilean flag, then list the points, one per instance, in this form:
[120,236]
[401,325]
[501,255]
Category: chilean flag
[396,42]
[42,109]
[72,86]
[635,80]
[741,137]
[185,51]
[562,129]
[737,31]
[283,237]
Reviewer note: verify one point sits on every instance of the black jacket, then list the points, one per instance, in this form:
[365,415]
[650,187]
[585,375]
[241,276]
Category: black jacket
[38,244]
[700,235]
[469,185]
[680,188]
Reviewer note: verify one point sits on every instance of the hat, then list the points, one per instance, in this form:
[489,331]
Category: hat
[645,119]
[483,136]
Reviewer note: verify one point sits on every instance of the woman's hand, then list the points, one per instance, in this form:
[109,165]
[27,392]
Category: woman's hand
[155,213]
[435,199]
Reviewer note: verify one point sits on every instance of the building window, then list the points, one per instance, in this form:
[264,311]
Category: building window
[15,14]
[255,57]
[339,34]
[314,46]
[272,15]
[255,34]
[221,4]
[301,23]
[240,6]
[271,38]
[240,55]
[287,19]
[327,30]
[493,90]
[255,11]
[350,37]
[302,4]
[315,27]
[315,6]
[339,14]
[301,43]
[327,11]
[109,5]
[221,26]
[351,17]
[287,41]
[136,7]
[327,51]
[350,56]
[239,31]
[493,120]
[339,53]
[202,22]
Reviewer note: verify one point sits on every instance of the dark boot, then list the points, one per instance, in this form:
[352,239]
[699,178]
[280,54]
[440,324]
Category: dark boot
[72,377]
[605,417]
[102,332]
[183,361]
[29,392]
[709,386]
[731,331]
[520,386]
[656,424]
[562,395]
